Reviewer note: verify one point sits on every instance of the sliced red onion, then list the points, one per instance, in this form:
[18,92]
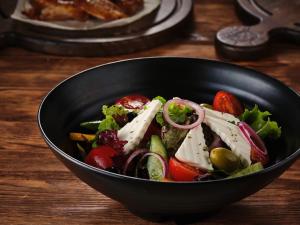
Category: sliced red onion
[205,176]
[132,157]
[259,151]
[199,111]
[160,158]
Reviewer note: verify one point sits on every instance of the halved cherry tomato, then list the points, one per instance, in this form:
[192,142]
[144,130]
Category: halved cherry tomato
[101,157]
[228,103]
[255,157]
[133,101]
[182,172]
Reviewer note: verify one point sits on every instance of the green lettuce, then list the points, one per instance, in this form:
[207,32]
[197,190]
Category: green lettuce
[114,110]
[160,119]
[261,123]
[159,116]
[248,170]
[178,113]
[161,99]
[108,123]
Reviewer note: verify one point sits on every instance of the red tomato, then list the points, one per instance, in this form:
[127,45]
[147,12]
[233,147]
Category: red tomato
[228,103]
[101,157]
[133,101]
[182,172]
[256,157]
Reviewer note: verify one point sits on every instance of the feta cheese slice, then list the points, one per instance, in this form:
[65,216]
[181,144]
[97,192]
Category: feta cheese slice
[134,131]
[220,115]
[193,150]
[232,136]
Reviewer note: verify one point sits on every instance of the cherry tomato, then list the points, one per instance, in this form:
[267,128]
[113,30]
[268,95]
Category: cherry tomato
[182,172]
[256,157]
[101,157]
[133,101]
[228,103]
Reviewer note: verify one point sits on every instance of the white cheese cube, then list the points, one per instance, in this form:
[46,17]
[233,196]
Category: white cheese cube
[134,131]
[193,150]
[232,136]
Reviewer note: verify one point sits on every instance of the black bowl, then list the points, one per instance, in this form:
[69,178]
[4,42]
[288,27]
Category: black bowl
[80,97]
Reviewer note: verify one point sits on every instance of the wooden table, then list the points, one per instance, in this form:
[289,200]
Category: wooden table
[35,188]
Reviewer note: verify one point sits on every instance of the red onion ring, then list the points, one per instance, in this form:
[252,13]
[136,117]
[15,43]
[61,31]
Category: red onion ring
[193,105]
[132,157]
[259,152]
[159,157]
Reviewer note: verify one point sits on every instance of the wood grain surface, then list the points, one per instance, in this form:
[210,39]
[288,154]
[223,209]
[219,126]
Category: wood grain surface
[35,188]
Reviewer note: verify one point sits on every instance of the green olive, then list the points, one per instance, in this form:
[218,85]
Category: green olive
[205,105]
[224,159]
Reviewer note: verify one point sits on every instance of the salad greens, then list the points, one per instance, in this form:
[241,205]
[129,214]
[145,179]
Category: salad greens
[253,168]
[179,113]
[114,110]
[108,123]
[160,118]
[261,123]
[178,140]
[161,99]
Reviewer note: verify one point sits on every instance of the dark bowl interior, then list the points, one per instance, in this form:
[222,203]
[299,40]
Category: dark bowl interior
[80,97]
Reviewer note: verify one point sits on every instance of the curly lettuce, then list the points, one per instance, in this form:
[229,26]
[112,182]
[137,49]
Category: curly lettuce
[114,110]
[261,123]
[108,123]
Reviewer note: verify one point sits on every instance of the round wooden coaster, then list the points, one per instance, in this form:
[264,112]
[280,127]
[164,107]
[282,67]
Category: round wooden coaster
[275,18]
[173,15]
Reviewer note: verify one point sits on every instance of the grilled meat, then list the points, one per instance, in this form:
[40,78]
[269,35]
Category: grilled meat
[51,10]
[130,7]
[102,9]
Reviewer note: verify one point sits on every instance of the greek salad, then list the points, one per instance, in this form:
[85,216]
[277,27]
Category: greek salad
[177,139]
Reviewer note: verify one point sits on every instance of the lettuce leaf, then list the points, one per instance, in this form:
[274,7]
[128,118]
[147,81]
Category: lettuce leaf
[248,170]
[108,123]
[160,119]
[114,110]
[261,123]
[161,99]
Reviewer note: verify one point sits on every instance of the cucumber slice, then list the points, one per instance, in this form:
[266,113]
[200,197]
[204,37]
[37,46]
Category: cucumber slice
[154,167]
[91,125]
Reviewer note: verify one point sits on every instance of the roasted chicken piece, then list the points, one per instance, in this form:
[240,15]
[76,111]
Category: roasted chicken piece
[129,7]
[102,9]
[81,9]
[51,10]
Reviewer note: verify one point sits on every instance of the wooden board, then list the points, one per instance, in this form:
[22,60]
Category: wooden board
[275,19]
[164,25]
